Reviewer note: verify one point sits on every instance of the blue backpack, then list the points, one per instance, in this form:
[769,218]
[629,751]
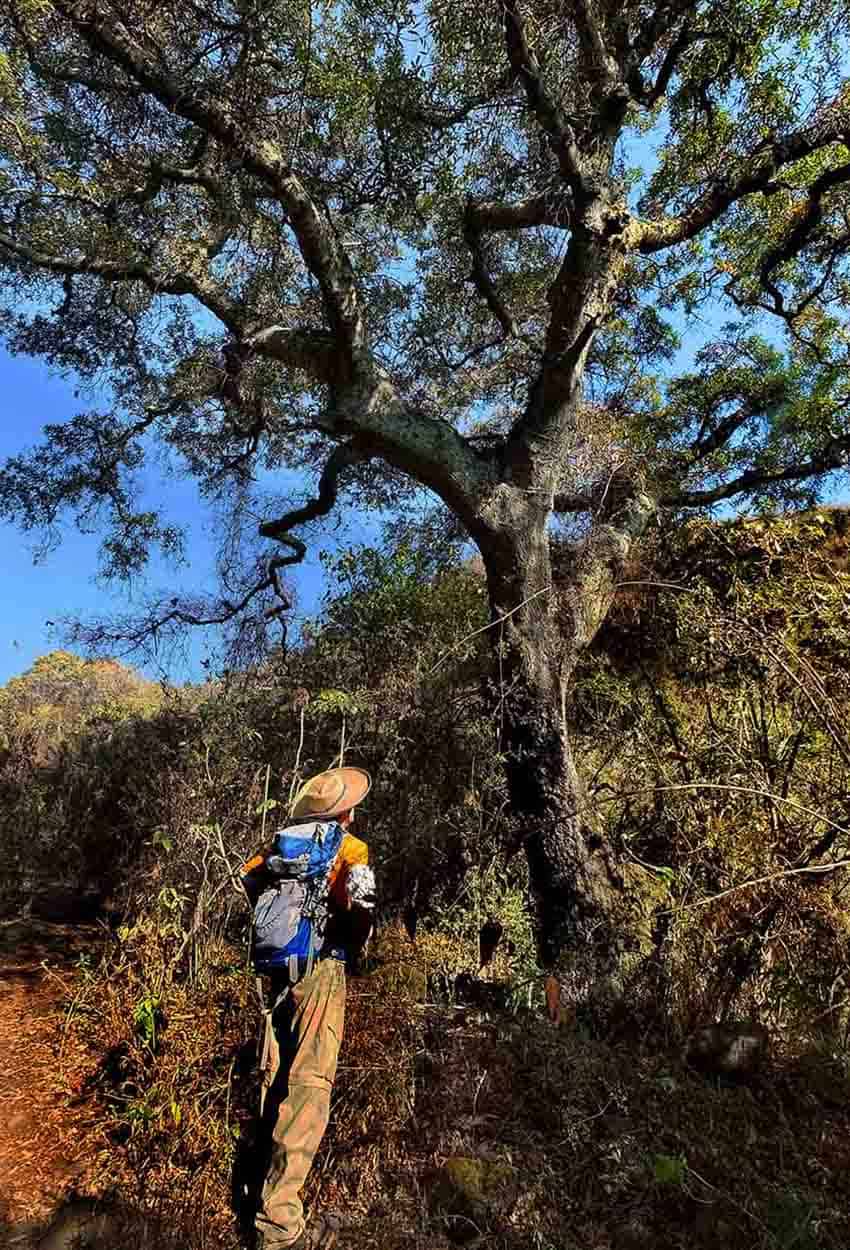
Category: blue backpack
[291,912]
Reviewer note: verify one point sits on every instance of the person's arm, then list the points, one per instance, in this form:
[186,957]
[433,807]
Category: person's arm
[254,876]
[353,891]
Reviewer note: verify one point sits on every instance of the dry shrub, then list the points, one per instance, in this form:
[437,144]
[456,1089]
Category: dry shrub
[163,1064]
[731,756]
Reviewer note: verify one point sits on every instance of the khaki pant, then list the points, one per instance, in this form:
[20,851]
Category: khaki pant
[299,1074]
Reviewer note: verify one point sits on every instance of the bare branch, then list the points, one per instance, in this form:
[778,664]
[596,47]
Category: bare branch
[343,457]
[164,617]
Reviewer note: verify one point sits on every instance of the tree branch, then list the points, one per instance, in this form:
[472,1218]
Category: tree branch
[649,96]
[719,436]
[262,158]
[807,223]
[314,351]
[830,125]
[547,209]
[835,455]
[481,279]
[365,403]
[549,114]
[563,503]
[607,72]
[163,617]
[342,457]
[202,288]
[435,119]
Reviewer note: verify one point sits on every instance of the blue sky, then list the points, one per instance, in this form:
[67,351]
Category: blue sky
[64,583]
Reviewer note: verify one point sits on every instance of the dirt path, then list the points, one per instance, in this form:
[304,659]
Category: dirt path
[39,1126]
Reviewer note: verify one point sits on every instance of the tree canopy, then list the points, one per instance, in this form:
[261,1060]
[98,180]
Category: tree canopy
[584,260]
[284,234]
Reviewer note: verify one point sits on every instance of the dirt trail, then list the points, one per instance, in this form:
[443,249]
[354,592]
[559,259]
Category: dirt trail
[39,1126]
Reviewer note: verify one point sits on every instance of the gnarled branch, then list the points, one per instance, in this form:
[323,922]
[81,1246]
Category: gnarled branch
[317,242]
[342,457]
[202,288]
[760,167]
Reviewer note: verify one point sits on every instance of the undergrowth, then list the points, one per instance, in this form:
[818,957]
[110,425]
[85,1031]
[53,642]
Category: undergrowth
[709,726]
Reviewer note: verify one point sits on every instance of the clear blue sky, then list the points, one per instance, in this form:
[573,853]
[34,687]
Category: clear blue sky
[64,583]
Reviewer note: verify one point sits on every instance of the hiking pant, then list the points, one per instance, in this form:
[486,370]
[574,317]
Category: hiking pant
[300,1069]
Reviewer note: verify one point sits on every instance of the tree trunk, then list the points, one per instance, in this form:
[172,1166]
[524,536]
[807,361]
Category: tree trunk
[570,865]
[538,635]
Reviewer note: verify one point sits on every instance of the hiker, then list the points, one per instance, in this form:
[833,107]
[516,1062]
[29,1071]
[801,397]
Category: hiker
[313,895]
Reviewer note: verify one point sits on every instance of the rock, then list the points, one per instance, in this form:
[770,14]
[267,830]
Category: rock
[472,1195]
[728,1049]
[82,1225]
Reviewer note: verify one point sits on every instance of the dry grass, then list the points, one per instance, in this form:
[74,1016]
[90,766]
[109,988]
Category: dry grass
[609,1144]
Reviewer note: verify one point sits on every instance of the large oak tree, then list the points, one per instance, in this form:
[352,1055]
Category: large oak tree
[454,245]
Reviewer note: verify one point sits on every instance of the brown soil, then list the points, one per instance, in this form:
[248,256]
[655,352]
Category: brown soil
[39,1127]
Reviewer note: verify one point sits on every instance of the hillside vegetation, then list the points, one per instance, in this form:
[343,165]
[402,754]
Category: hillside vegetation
[709,715]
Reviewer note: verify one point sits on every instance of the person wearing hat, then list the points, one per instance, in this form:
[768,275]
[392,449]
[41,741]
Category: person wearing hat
[307,1017]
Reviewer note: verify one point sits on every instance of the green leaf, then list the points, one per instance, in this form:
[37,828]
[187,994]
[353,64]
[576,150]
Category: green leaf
[669,1169]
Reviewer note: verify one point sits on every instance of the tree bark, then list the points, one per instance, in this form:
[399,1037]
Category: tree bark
[539,632]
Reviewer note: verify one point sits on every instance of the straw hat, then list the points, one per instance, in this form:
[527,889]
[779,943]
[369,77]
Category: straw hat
[328,794]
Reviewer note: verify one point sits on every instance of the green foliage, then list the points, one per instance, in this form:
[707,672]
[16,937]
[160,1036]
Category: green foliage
[145,1015]
[140,246]
[669,1169]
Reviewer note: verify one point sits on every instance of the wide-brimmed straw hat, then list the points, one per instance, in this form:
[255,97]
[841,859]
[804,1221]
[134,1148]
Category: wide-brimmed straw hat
[328,794]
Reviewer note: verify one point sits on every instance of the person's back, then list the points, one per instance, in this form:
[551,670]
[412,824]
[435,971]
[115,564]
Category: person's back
[306,990]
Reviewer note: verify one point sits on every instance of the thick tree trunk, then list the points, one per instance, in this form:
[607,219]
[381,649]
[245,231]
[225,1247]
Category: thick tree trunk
[570,864]
[538,635]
